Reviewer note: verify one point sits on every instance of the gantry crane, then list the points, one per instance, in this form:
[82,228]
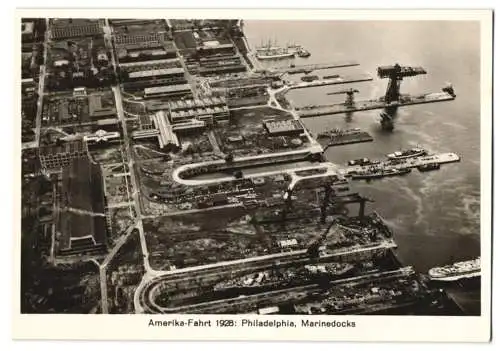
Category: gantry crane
[349,99]
[395,74]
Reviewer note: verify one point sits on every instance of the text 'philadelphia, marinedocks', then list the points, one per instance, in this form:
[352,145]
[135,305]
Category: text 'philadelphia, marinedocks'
[252,323]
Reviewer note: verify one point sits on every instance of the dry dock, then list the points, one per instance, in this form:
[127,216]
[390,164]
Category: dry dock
[313,111]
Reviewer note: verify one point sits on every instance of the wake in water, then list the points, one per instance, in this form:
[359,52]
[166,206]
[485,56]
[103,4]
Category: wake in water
[416,197]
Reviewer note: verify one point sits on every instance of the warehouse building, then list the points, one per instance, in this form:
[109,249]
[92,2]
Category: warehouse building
[73,28]
[144,39]
[168,90]
[290,127]
[81,221]
[206,109]
[157,73]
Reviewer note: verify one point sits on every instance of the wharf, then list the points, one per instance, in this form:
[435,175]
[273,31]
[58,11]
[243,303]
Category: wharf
[407,163]
[334,81]
[337,140]
[321,110]
[312,67]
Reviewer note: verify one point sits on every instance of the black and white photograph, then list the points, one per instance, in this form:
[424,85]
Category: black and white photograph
[253,167]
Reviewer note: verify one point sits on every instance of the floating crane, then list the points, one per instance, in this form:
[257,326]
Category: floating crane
[349,100]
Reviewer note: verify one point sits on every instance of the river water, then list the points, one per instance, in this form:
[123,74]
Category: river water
[435,215]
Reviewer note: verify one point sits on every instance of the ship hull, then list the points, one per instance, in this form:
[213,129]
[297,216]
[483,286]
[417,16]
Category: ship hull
[453,278]
[379,175]
[274,57]
[417,154]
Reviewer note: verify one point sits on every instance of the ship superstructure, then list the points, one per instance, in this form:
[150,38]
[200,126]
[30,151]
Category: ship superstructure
[402,154]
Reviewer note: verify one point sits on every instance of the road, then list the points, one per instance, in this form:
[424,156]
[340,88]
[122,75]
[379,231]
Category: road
[134,184]
[270,157]
[135,187]
[41,85]
[103,267]
[193,211]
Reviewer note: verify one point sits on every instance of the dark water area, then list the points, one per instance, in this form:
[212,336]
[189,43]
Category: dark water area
[435,215]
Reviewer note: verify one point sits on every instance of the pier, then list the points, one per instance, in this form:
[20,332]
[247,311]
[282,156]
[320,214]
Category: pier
[334,81]
[322,110]
[312,67]
[344,139]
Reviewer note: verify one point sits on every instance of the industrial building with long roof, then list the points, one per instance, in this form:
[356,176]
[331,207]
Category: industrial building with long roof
[81,221]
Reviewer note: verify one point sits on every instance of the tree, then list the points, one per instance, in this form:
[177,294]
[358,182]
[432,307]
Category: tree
[238,174]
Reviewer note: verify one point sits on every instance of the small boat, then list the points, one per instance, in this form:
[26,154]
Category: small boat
[429,167]
[301,52]
[409,153]
[360,162]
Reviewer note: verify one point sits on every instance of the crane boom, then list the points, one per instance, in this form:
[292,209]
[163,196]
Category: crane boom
[395,74]
[346,91]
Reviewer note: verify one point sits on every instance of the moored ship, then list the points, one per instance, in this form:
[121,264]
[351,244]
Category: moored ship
[339,132]
[273,278]
[360,162]
[409,153]
[309,78]
[456,271]
[273,52]
[376,173]
[429,167]
[344,136]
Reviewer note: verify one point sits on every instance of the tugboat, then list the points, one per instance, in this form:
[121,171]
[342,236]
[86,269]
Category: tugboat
[301,52]
[456,271]
[379,173]
[409,153]
[429,167]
